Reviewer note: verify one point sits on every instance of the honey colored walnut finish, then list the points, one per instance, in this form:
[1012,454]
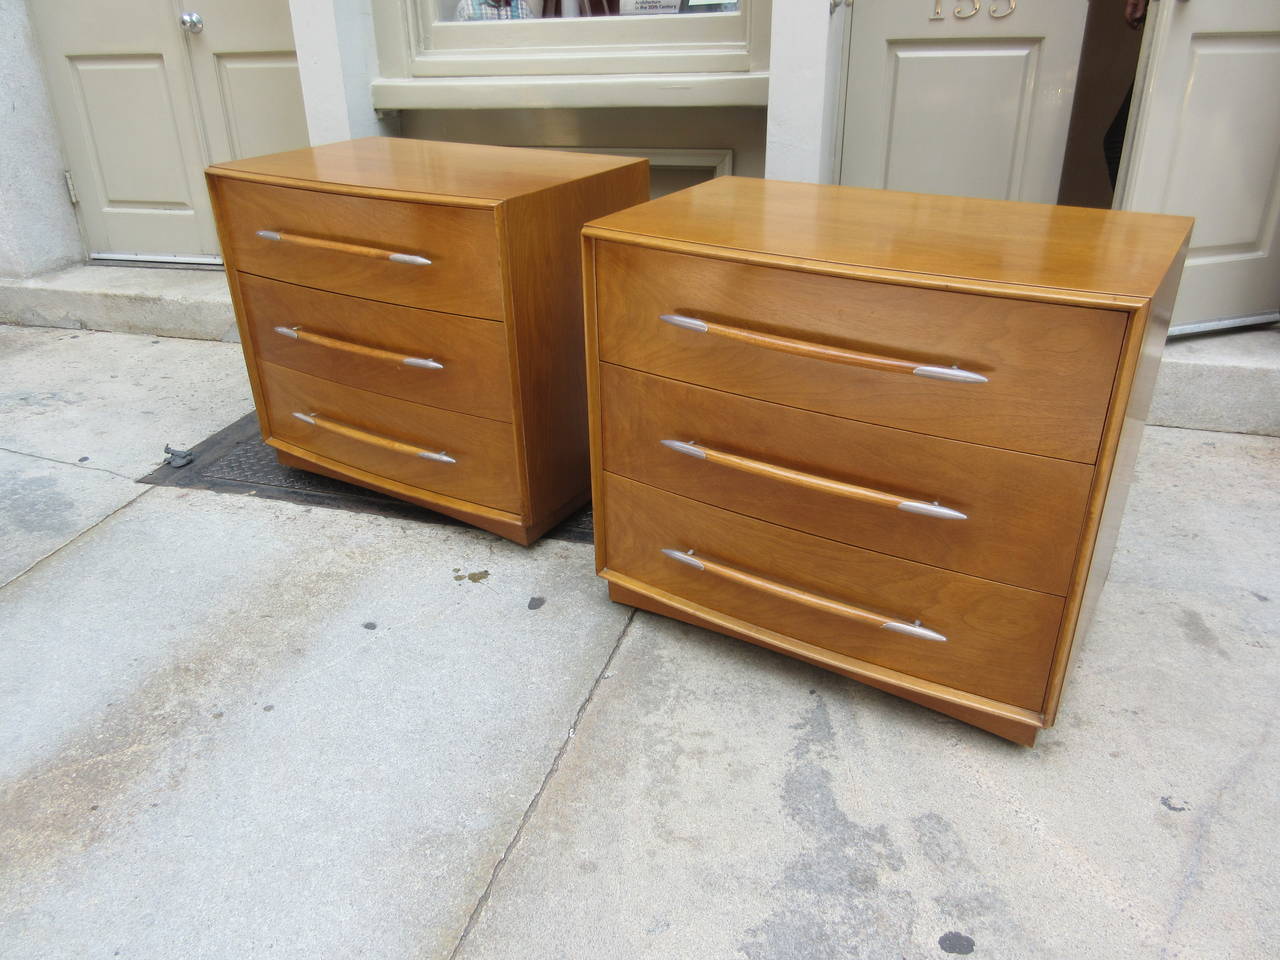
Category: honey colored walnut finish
[847,480]
[886,433]
[382,347]
[411,317]
[998,638]
[1056,362]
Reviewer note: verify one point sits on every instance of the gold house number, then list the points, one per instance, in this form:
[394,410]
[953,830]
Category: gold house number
[962,13]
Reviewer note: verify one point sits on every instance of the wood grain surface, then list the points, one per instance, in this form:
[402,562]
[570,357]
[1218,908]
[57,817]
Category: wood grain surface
[1023,513]
[504,524]
[1063,311]
[462,245]
[499,307]
[1050,368]
[1129,408]
[484,449]
[1012,723]
[546,330]
[1000,638]
[475,377]
[464,174]
[993,241]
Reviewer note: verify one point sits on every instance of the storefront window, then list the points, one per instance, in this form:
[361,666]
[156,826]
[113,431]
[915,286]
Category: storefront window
[508,38]
[494,10]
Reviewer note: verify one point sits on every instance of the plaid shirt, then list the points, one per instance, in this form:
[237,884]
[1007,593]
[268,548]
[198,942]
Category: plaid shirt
[485,10]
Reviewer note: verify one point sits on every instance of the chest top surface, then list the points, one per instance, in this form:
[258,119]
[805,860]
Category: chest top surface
[485,174]
[1068,248]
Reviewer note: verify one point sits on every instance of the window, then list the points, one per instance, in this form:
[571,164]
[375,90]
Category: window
[491,10]
[530,38]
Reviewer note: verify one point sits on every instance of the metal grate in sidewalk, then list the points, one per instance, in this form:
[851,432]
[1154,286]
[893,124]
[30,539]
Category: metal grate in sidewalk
[235,460]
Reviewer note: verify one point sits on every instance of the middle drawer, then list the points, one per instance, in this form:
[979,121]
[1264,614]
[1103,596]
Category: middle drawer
[459,363]
[844,479]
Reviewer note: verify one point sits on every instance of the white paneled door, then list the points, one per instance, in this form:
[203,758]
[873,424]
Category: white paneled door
[964,97]
[1205,142]
[147,93]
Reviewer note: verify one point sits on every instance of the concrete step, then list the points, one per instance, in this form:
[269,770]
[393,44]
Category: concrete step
[194,304]
[1228,382]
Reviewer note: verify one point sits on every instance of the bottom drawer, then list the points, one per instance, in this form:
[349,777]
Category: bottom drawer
[471,458]
[974,635]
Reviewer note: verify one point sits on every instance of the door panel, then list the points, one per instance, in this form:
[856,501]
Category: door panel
[246,76]
[261,97]
[137,150]
[984,148]
[1207,145]
[1236,223]
[961,98]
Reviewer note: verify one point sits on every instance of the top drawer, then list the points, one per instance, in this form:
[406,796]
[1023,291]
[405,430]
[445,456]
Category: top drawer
[345,244]
[787,336]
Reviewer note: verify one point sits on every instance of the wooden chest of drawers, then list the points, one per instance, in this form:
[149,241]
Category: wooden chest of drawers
[411,317]
[886,433]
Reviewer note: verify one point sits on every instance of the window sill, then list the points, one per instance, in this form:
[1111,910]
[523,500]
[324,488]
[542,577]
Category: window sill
[604,90]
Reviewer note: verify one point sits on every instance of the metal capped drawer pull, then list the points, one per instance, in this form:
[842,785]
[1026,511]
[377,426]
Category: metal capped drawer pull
[353,433]
[818,351]
[373,353]
[336,246]
[760,468]
[811,600]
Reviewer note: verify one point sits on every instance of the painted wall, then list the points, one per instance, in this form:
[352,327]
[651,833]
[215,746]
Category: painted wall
[337,60]
[38,230]
[740,129]
[806,78]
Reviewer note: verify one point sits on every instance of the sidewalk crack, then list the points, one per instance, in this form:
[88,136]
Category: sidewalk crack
[67,463]
[478,909]
[76,539]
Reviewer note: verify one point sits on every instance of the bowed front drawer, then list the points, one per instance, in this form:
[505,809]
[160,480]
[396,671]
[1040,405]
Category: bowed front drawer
[458,363]
[419,254]
[885,433]
[411,317]
[452,454]
[1008,373]
[1005,516]
[985,638]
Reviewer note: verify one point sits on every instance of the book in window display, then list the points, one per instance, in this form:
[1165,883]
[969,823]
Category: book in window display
[491,10]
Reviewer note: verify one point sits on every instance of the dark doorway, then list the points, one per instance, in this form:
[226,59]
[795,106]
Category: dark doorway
[1108,64]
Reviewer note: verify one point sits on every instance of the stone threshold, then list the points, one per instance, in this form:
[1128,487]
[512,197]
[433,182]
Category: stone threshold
[171,302]
[1228,382]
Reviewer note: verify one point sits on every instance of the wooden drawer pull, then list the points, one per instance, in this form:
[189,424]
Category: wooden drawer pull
[352,433]
[818,351]
[373,353]
[377,253]
[761,469]
[803,597]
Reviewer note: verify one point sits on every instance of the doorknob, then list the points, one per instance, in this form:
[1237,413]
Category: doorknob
[191,22]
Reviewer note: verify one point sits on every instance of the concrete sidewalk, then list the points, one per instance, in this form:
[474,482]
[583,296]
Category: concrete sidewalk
[83,415]
[238,728]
